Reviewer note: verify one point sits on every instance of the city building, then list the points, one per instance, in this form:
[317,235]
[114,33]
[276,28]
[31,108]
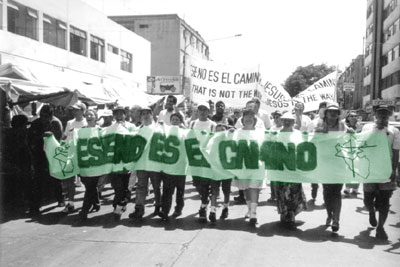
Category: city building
[352,76]
[70,37]
[173,43]
[382,58]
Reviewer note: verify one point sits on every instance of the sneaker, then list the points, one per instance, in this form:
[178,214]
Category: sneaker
[177,213]
[372,219]
[239,200]
[212,217]
[381,234]
[117,213]
[95,208]
[247,215]
[335,226]
[68,208]
[224,214]
[137,214]
[203,214]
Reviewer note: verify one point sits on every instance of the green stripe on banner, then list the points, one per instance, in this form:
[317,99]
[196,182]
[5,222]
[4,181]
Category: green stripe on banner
[244,155]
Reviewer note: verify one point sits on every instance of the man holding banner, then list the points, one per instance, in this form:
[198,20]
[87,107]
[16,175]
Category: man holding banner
[377,195]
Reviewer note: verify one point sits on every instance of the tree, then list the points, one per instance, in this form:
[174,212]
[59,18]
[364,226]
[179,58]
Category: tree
[303,77]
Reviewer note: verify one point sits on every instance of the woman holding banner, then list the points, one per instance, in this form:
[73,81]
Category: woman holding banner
[332,192]
[290,196]
[251,188]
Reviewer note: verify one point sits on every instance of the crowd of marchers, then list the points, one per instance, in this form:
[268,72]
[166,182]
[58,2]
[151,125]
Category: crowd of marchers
[29,183]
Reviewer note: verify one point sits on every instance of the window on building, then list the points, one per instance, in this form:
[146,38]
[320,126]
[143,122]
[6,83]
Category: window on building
[22,20]
[54,32]
[112,49]
[126,61]
[389,9]
[143,26]
[77,41]
[396,51]
[390,56]
[370,10]
[96,48]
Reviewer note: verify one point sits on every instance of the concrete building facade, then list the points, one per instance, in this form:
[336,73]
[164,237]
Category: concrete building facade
[352,74]
[71,37]
[382,57]
[173,43]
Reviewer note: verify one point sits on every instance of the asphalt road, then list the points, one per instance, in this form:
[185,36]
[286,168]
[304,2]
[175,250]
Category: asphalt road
[53,239]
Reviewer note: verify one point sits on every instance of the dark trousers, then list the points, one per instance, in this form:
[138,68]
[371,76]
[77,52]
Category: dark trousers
[43,186]
[91,197]
[142,187]
[170,182]
[333,200]
[378,200]
[203,186]
[314,190]
[120,182]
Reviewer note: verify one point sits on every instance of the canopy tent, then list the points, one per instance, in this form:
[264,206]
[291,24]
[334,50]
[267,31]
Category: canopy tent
[24,85]
[21,92]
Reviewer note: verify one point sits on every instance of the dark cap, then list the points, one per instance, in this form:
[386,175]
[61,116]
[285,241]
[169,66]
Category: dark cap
[121,108]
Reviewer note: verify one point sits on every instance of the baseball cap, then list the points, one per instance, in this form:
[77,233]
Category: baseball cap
[79,105]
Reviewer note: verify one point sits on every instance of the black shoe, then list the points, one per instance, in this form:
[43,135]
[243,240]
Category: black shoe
[381,234]
[156,211]
[224,214]
[335,227]
[212,217]
[163,216]
[95,208]
[203,214]
[239,200]
[137,214]
[177,213]
[372,219]
[253,221]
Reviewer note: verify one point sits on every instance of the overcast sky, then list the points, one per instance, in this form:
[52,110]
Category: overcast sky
[277,35]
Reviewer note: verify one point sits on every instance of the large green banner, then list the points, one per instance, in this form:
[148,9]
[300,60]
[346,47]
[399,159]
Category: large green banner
[250,155]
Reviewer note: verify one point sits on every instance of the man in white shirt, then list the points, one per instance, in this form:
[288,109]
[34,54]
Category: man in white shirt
[263,120]
[79,120]
[120,180]
[68,185]
[203,184]
[377,195]
[146,116]
[302,121]
[170,107]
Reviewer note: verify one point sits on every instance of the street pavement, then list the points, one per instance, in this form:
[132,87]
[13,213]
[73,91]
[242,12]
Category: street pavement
[53,239]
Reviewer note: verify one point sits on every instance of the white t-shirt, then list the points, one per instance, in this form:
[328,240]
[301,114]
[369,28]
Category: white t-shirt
[259,123]
[207,125]
[165,117]
[305,122]
[71,125]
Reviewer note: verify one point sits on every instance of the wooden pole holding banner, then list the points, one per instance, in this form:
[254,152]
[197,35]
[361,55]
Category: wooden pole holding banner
[336,85]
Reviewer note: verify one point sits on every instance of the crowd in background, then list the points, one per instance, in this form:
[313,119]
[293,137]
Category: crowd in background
[29,184]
